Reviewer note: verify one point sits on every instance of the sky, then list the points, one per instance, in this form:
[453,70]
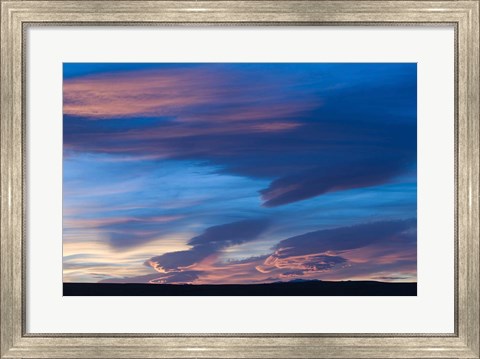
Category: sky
[239,173]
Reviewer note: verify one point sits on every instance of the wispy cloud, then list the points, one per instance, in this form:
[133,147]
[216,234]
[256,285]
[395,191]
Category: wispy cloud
[325,254]
[197,94]
[211,242]
[323,249]
[305,135]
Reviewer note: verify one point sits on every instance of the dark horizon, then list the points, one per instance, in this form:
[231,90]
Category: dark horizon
[292,288]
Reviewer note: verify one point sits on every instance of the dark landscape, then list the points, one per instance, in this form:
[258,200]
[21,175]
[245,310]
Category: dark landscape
[303,288]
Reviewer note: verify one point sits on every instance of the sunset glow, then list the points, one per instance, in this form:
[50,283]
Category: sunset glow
[239,173]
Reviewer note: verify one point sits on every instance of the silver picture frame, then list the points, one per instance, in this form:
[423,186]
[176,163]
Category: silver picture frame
[16,16]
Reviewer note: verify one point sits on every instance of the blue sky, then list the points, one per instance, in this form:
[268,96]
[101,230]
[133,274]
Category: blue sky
[239,173]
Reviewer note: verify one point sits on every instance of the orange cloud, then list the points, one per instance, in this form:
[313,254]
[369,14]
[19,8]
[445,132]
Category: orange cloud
[187,95]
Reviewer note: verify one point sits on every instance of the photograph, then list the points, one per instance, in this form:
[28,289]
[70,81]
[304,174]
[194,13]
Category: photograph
[239,179]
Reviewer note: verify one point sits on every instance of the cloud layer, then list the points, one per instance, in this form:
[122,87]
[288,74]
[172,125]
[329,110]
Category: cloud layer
[308,136]
[314,255]
[209,243]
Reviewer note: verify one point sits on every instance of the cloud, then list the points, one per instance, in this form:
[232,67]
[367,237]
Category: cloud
[192,94]
[325,249]
[343,238]
[123,232]
[302,264]
[331,178]
[384,250]
[309,129]
[111,222]
[147,278]
[213,240]
[227,235]
[185,277]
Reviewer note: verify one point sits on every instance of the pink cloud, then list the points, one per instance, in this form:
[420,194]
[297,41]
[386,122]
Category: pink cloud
[188,95]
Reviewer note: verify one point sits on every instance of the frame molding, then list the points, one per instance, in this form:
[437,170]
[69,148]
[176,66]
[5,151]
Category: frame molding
[16,343]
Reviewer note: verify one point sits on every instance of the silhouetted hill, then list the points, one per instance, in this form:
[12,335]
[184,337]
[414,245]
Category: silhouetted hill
[300,288]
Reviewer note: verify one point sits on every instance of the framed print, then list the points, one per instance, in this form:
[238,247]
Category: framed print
[239,179]
[222,140]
